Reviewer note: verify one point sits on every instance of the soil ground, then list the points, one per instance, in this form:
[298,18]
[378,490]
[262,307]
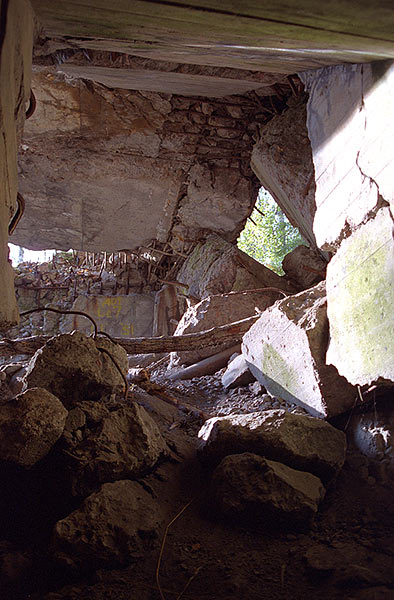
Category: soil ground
[348,553]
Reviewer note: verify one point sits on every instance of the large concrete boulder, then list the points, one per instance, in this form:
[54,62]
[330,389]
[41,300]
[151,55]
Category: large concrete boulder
[218,310]
[217,267]
[120,443]
[111,527]
[360,296]
[30,425]
[282,160]
[301,442]
[351,140]
[237,374]
[286,350]
[72,368]
[257,490]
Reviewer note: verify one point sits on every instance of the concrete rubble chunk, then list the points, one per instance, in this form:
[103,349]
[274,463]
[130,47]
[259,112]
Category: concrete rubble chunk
[286,351]
[360,296]
[237,374]
[72,368]
[304,267]
[301,442]
[252,488]
[282,160]
[30,425]
[218,267]
[111,528]
[218,310]
[126,442]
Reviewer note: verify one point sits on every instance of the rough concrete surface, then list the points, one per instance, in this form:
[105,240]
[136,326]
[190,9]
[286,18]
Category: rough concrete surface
[286,351]
[125,442]
[282,160]
[30,424]
[301,442]
[237,373]
[360,296]
[119,316]
[71,367]
[99,534]
[351,137]
[216,310]
[252,488]
[217,267]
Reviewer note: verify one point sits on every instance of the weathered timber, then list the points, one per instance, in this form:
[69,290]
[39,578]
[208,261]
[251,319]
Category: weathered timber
[207,366]
[231,332]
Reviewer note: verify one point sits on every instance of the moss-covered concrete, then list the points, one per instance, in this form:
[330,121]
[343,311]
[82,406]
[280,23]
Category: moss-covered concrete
[360,296]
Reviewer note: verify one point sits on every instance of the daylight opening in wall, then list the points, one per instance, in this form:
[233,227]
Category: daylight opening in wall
[268,235]
[18,254]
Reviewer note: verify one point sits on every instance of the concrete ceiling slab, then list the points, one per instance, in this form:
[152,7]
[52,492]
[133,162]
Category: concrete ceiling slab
[276,35]
[157,81]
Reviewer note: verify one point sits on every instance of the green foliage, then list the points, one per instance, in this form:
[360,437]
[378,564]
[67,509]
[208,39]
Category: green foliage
[272,237]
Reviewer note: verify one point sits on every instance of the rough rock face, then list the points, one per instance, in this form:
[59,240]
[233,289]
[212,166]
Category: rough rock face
[304,267]
[237,374]
[218,310]
[16,51]
[360,296]
[72,368]
[282,160]
[30,425]
[285,350]
[118,443]
[252,488]
[217,267]
[99,534]
[303,443]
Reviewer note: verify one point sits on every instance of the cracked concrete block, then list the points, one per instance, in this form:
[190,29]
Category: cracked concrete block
[237,374]
[351,136]
[30,425]
[360,296]
[257,490]
[286,351]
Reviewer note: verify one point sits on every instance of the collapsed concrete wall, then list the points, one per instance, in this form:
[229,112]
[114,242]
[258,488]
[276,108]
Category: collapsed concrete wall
[351,132]
[16,41]
[122,167]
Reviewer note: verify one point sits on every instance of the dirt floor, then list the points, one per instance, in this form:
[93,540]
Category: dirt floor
[348,553]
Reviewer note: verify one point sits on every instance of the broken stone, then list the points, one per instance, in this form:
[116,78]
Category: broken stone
[30,425]
[72,368]
[76,419]
[304,267]
[285,350]
[256,388]
[301,442]
[111,528]
[125,443]
[218,267]
[252,488]
[360,298]
[237,374]
[219,310]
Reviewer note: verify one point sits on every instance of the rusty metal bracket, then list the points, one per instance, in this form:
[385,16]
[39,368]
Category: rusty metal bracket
[18,214]
[32,105]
